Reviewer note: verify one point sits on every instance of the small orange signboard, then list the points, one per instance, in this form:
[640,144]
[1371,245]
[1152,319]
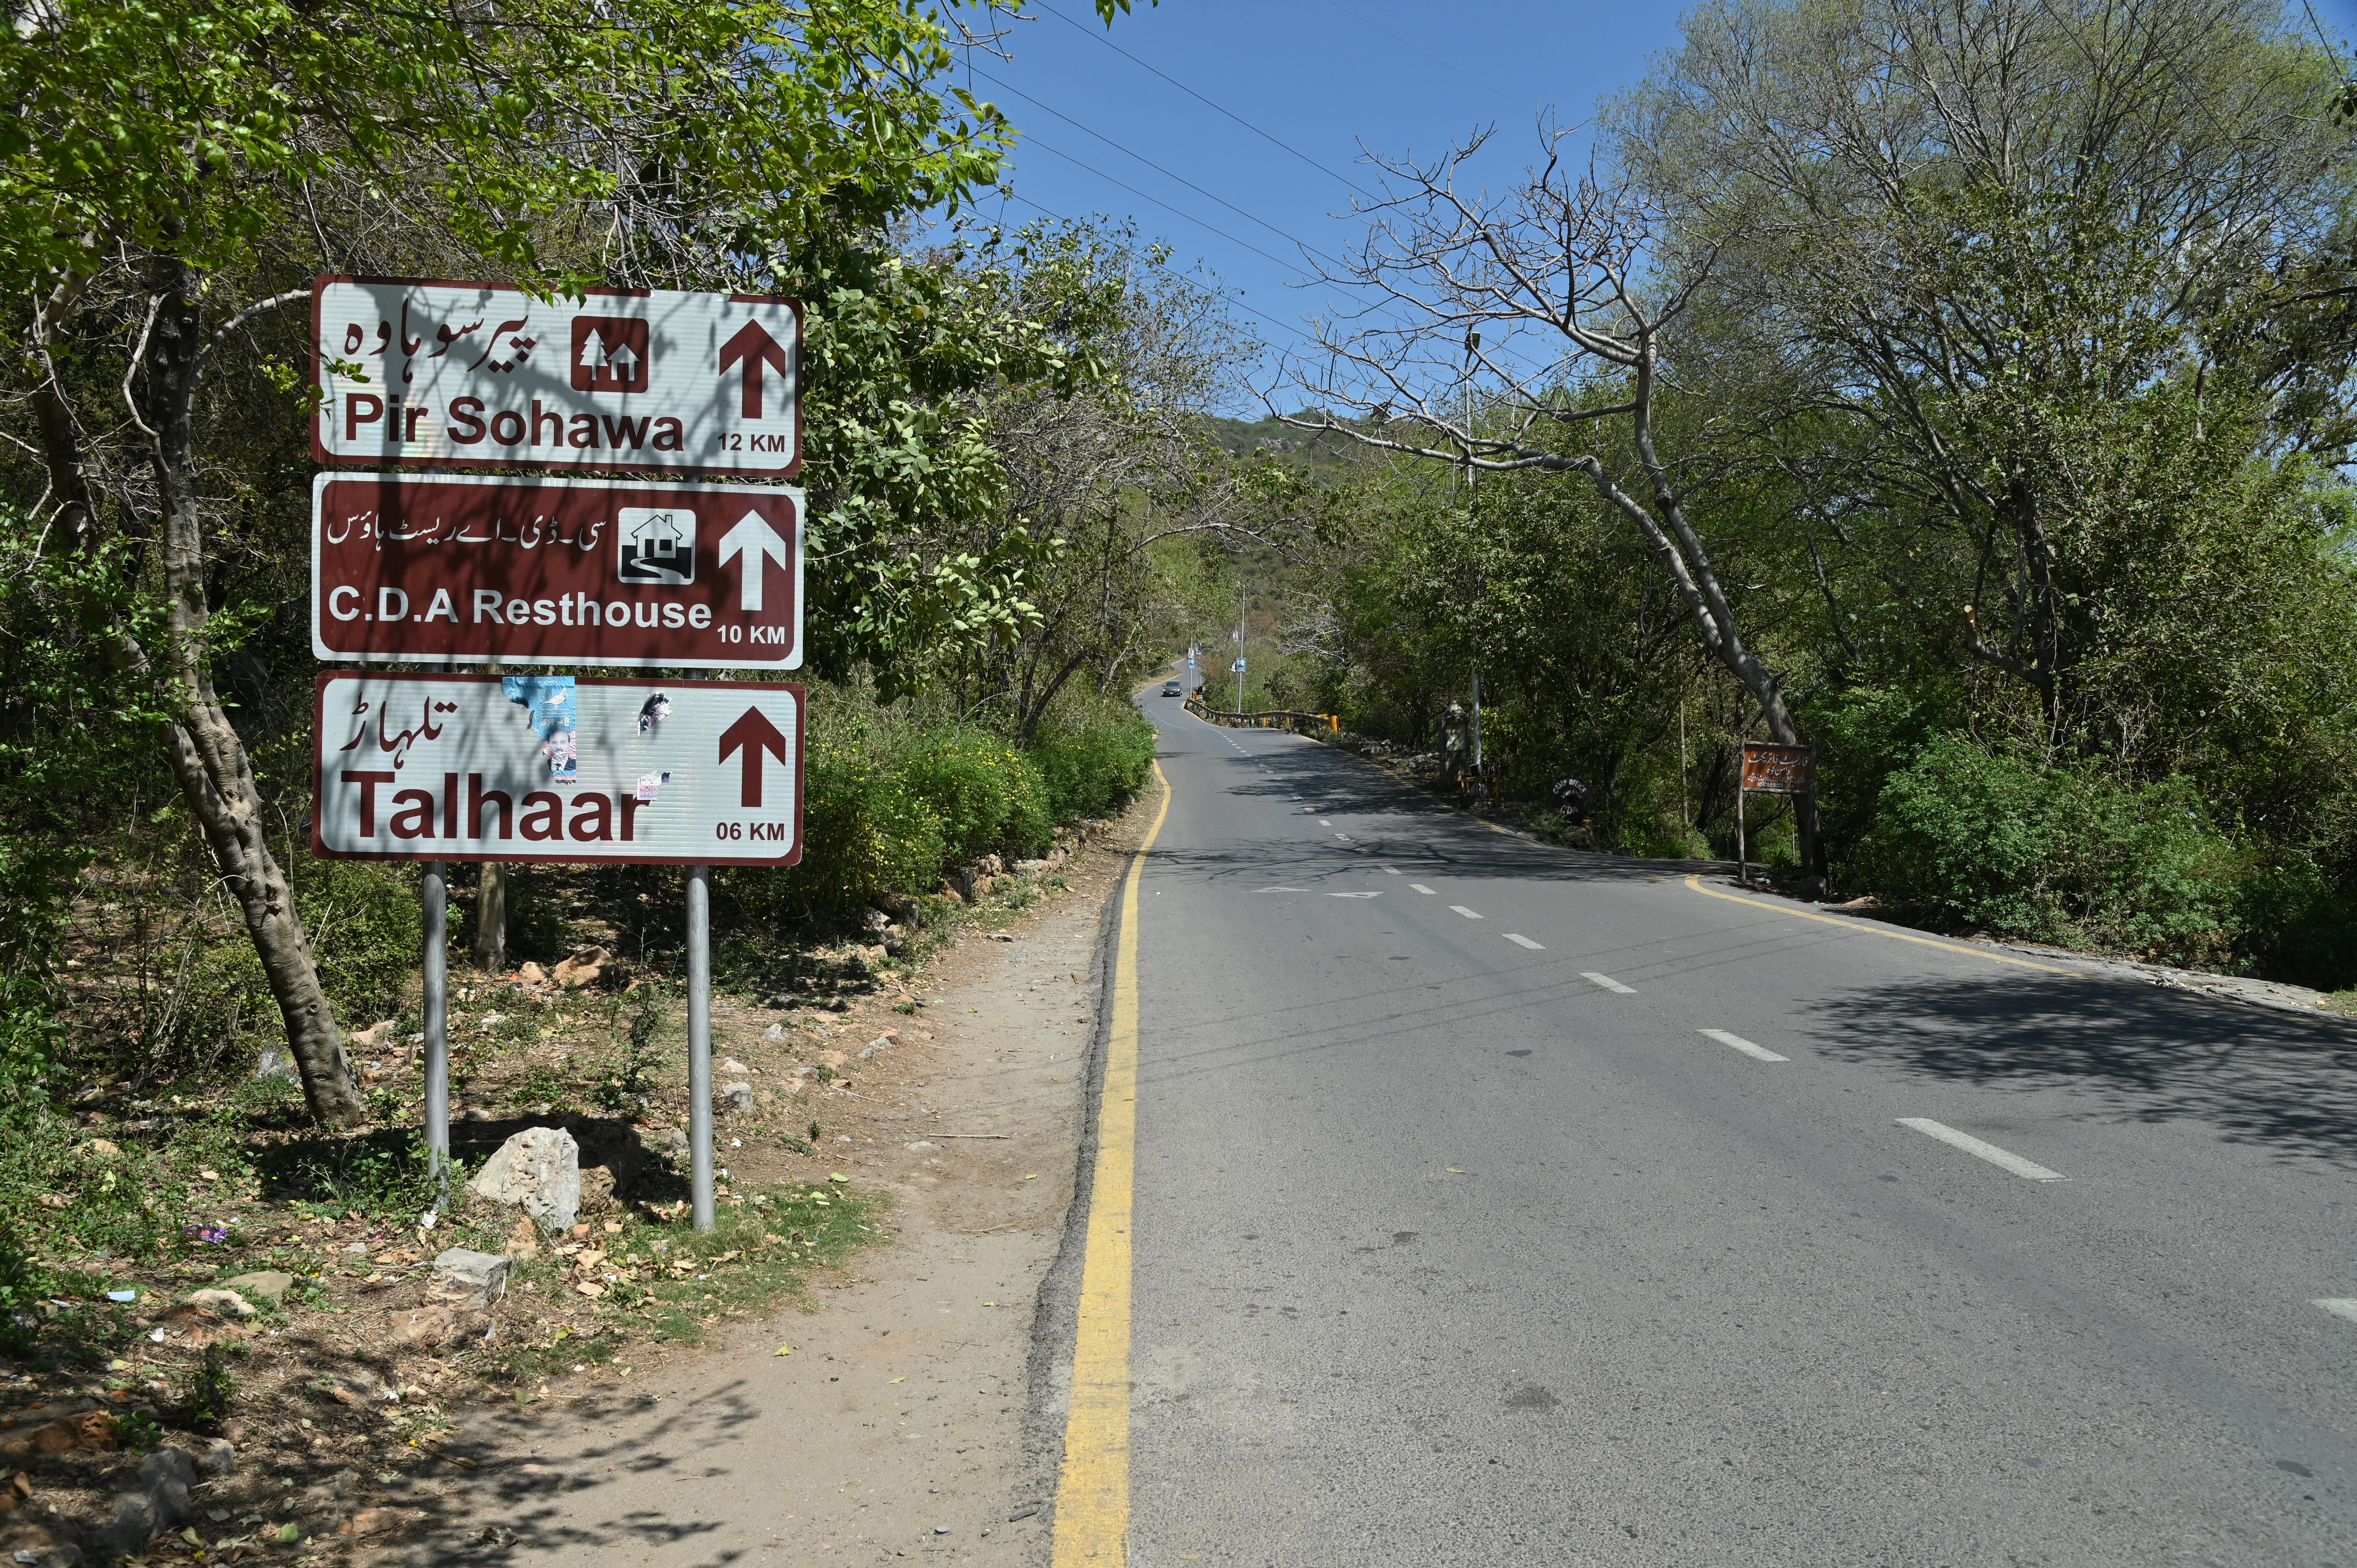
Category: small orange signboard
[1771,770]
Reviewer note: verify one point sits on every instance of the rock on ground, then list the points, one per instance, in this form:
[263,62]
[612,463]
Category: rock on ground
[469,1279]
[538,1171]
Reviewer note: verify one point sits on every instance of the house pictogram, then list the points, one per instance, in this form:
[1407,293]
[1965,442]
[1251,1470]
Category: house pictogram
[610,354]
[655,545]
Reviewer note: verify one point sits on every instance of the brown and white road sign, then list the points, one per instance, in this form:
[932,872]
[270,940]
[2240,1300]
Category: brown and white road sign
[483,375]
[1772,770]
[549,767]
[438,569]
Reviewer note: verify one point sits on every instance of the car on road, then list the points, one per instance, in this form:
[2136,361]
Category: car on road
[1169,688]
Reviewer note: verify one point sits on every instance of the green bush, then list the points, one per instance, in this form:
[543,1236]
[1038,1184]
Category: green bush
[988,796]
[864,835]
[36,888]
[1973,837]
[1093,770]
[132,1204]
[2295,925]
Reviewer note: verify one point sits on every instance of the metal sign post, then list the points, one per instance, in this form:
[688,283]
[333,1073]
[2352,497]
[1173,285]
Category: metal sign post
[699,1042]
[1769,770]
[434,908]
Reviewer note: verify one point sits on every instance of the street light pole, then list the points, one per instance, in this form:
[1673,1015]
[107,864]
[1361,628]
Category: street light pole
[1472,348]
[1240,650]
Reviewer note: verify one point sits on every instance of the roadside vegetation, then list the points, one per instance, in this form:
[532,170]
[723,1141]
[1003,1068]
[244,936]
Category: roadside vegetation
[1992,441]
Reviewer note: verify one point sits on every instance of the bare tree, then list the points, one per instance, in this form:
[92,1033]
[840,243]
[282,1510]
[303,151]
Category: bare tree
[1546,295]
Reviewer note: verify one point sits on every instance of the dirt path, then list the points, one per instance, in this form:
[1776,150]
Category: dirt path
[895,1427]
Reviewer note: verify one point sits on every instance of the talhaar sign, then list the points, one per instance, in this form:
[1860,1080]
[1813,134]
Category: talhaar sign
[481,375]
[521,767]
[454,569]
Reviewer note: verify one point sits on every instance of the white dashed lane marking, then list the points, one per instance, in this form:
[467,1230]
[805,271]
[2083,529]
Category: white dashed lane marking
[1759,1053]
[1607,982]
[1517,938]
[2340,1307]
[1324,823]
[1393,870]
[2003,1159]
[1419,887]
[1464,911]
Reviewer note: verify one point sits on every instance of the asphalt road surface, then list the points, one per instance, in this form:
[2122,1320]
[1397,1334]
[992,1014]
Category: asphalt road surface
[1498,1205]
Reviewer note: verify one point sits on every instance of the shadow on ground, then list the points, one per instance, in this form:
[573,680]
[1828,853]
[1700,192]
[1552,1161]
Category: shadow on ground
[2144,1054]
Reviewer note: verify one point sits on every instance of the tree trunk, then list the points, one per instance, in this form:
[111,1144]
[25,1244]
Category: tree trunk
[215,775]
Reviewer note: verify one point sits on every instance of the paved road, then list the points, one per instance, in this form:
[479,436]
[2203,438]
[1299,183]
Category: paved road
[1461,1238]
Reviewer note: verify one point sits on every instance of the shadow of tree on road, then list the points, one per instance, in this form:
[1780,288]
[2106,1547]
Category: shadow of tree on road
[2272,1081]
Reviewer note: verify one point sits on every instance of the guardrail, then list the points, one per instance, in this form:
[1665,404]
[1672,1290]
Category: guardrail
[1274,718]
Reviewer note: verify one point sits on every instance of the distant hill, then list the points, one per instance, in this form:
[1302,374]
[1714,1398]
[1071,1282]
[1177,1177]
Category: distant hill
[1327,455]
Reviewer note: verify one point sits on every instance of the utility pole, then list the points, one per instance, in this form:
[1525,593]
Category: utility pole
[1472,348]
[1240,650]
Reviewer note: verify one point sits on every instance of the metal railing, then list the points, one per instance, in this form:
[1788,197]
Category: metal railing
[1274,718]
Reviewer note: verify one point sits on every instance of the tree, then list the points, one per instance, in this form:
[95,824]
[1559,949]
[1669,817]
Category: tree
[1561,262]
[165,170]
[2046,261]
[1102,474]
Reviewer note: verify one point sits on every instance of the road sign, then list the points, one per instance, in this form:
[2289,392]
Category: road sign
[1238,668]
[1771,770]
[455,569]
[482,375]
[549,767]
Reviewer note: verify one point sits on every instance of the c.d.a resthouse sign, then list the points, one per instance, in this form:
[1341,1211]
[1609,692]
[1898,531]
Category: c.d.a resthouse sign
[549,767]
[439,569]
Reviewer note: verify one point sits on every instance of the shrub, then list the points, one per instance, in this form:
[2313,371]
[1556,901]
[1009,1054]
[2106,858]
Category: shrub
[988,796]
[1095,767]
[864,835]
[1974,837]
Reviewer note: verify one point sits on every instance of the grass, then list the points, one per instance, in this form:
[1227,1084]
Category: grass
[665,1282]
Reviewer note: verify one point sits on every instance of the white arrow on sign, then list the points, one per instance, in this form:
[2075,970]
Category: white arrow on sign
[753,538]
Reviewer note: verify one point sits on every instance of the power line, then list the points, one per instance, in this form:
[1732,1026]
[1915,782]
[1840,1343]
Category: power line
[1158,168]
[1428,54]
[1157,201]
[1231,113]
[1240,304]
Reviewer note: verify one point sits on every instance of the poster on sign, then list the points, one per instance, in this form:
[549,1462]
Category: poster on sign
[438,569]
[555,767]
[483,375]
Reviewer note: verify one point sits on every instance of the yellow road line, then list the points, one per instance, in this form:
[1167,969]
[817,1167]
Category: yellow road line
[1865,930]
[1093,1491]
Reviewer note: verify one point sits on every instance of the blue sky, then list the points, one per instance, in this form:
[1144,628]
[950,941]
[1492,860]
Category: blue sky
[1318,77]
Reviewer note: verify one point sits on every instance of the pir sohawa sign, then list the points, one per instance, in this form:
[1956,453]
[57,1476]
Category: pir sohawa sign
[435,569]
[549,767]
[481,375]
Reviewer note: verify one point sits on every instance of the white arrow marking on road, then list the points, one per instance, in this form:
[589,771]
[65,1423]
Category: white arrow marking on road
[1988,1151]
[753,538]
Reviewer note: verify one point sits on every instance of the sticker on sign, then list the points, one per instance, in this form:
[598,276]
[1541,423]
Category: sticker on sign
[438,569]
[482,375]
[551,768]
